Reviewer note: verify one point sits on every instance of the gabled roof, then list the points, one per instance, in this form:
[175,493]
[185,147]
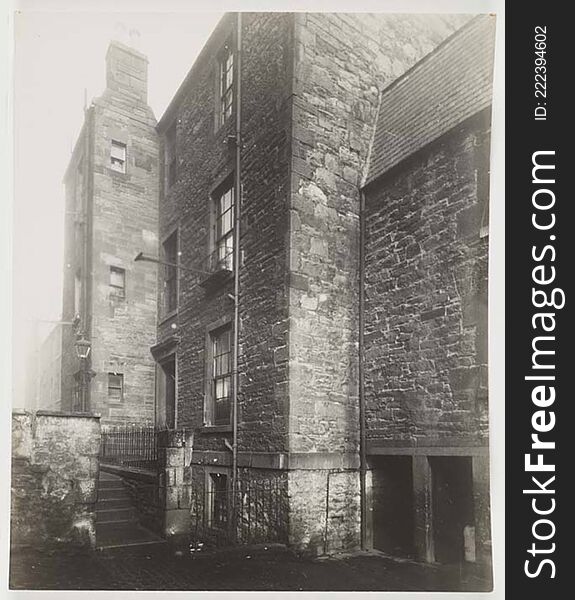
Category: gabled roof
[221,29]
[449,85]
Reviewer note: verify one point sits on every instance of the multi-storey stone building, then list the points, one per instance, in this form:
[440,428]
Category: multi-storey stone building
[318,321]
[286,125]
[111,214]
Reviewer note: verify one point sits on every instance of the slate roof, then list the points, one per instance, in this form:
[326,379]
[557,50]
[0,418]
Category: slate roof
[452,83]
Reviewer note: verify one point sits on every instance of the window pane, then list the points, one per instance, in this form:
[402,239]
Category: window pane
[221,378]
[170,156]
[223,252]
[222,412]
[118,151]
[218,501]
[226,82]
[227,104]
[115,394]
[170,255]
[226,201]
[115,386]
[217,366]
[222,342]
[222,388]
[224,226]
[117,277]
[226,221]
[229,66]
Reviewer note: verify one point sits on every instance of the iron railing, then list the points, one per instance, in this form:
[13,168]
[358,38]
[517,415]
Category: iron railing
[132,446]
[261,515]
[221,259]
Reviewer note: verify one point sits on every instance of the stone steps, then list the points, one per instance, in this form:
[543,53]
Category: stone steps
[113,494]
[116,519]
[115,515]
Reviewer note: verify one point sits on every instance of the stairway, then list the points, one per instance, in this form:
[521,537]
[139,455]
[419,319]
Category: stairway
[116,518]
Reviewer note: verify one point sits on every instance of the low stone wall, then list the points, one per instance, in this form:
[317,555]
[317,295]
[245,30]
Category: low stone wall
[54,477]
[324,513]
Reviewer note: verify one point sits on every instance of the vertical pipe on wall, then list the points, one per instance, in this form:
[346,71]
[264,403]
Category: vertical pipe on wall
[237,196]
[362,443]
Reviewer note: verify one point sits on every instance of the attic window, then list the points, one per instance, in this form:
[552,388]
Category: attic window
[118,157]
[225,83]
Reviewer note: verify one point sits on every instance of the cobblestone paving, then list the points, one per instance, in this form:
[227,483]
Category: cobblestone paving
[245,569]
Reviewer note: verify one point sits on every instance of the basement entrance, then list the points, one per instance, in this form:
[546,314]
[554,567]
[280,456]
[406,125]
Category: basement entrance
[392,502]
[452,508]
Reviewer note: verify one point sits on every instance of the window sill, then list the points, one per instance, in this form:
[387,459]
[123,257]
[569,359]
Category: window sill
[216,279]
[215,429]
[114,172]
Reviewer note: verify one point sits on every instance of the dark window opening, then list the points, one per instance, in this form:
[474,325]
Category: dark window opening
[170,252]
[452,507]
[168,392]
[171,163]
[392,498]
[223,254]
[221,379]
[117,282]
[77,292]
[218,500]
[118,157]
[115,387]
[226,83]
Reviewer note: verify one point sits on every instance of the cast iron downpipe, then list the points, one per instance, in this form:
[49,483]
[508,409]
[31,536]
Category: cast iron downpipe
[237,196]
[361,358]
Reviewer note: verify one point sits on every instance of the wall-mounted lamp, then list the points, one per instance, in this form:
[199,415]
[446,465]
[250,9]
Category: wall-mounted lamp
[83,347]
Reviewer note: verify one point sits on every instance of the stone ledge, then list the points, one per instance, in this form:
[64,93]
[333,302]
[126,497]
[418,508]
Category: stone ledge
[54,413]
[374,450]
[130,473]
[279,461]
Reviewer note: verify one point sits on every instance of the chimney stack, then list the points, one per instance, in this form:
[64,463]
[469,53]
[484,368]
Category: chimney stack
[127,71]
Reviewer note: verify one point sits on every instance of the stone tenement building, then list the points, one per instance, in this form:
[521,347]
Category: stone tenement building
[111,214]
[268,151]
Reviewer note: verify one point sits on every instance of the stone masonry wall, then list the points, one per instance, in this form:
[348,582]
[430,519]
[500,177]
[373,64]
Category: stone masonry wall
[54,475]
[324,510]
[205,160]
[125,222]
[426,294]
[342,62]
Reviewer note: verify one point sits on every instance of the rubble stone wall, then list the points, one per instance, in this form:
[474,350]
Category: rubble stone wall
[426,294]
[54,477]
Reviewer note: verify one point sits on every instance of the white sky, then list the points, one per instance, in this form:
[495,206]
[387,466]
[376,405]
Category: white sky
[57,56]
